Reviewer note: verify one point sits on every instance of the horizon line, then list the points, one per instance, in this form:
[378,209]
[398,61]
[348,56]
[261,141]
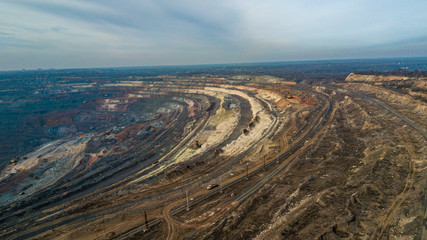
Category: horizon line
[213,64]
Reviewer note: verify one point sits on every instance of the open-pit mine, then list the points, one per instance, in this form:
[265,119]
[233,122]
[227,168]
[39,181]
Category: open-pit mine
[207,155]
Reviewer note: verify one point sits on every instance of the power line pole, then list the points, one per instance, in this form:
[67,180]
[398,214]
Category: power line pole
[51,226]
[188,206]
[264,161]
[103,223]
[146,220]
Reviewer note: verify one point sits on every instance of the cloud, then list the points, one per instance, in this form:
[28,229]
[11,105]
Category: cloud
[58,29]
[151,32]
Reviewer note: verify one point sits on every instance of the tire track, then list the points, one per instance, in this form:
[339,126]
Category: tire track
[395,206]
[386,220]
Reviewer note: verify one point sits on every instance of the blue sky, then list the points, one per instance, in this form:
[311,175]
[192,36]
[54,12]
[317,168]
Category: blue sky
[106,33]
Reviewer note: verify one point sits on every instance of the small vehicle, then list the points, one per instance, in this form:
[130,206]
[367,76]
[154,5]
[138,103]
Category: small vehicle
[211,186]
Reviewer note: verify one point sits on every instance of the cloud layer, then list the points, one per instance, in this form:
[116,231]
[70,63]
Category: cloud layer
[100,33]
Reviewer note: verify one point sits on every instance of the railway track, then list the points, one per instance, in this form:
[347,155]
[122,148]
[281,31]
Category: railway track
[179,209]
[252,189]
[56,199]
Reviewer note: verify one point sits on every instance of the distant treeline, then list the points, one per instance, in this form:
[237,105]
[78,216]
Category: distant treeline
[397,72]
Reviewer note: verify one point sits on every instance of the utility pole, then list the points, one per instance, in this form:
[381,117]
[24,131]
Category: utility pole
[146,220]
[188,206]
[264,161]
[220,184]
[51,226]
[103,223]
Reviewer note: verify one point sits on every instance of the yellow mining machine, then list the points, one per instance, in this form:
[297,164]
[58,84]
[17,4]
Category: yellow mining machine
[197,144]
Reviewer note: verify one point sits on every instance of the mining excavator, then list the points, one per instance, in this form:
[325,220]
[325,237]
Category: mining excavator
[197,144]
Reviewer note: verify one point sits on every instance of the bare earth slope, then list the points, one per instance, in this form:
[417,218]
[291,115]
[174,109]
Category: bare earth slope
[237,157]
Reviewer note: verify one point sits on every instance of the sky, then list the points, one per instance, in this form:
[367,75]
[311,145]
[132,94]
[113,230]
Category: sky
[109,33]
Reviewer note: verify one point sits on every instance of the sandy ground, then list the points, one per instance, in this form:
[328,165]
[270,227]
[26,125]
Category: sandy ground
[48,163]
[265,121]
[415,106]
[224,121]
[211,131]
